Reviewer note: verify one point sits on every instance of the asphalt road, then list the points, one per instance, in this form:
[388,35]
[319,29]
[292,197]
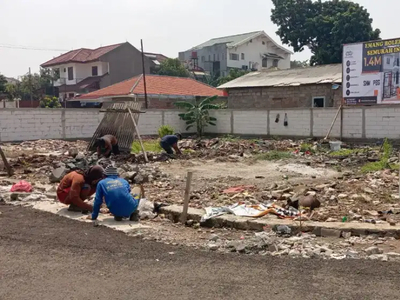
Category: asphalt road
[44,256]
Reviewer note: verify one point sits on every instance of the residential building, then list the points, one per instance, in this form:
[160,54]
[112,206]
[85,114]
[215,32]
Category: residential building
[318,86]
[157,59]
[248,51]
[162,91]
[85,70]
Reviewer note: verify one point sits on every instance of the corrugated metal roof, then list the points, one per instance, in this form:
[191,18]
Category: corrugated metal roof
[229,40]
[289,77]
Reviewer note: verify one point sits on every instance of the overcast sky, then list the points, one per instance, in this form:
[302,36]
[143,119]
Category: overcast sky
[166,26]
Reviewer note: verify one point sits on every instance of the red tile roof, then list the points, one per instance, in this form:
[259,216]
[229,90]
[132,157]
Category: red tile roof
[156,85]
[82,55]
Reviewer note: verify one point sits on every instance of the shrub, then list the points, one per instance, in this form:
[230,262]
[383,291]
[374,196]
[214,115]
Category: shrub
[49,102]
[165,130]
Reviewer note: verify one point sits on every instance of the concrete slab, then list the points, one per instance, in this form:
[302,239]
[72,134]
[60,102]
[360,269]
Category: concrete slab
[231,221]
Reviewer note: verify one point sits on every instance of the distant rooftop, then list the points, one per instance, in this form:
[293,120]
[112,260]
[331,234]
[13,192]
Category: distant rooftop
[290,77]
[235,40]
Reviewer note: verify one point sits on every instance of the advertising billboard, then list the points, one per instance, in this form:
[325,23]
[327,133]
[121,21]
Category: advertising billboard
[371,72]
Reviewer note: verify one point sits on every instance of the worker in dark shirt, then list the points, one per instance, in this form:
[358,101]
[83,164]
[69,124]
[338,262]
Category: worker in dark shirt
[106,145]
[170,142]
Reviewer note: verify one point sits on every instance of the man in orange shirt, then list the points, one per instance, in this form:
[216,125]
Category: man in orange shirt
[77,186]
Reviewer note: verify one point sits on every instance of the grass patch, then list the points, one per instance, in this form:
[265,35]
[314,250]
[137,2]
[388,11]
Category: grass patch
[273,155]
[342,152]
[306,147]
[149,146]
[383,163]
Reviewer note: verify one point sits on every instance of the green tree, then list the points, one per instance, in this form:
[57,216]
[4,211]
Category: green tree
[173,67]
[198,114]
[3,83]
[322,26]
[233,74]
[299,64]
[49,102]
[12,91]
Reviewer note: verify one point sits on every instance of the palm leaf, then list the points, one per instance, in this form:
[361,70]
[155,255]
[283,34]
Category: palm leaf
[188,127]
[212,123]
[210,106]
[212,119]
[183,104]
[208,100]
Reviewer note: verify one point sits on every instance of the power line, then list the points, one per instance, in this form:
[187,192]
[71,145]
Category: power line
[29,48]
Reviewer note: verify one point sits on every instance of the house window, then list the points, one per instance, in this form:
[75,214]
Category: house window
[263,42]
[203,59]
[94,71]
[244,67]
[71,95]
[209,57]
[56,74]
[275,63]
[65,70]
[318,102]
[233,56]
[251,41]
[70,73]
[214,57]
[388,60]
[397,77]
[265,63]
[242,56]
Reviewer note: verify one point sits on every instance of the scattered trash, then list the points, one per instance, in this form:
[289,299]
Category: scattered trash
[22,186]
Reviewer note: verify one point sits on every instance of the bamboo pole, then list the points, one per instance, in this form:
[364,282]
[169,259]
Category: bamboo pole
[333,122]
[138,135]
[6,164]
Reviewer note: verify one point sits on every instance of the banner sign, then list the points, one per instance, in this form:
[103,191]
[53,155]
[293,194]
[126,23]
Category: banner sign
[371,72]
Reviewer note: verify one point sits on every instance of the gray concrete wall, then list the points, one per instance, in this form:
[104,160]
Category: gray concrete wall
[285,97]
[359,123]
[125,62]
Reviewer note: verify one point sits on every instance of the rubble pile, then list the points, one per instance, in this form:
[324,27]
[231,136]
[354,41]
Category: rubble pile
[305,245]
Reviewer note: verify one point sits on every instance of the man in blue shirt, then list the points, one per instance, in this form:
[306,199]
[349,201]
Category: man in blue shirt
[171,141]
[116,193]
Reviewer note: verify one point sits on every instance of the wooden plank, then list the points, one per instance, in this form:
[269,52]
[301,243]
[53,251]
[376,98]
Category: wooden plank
[6,164]
[186,197]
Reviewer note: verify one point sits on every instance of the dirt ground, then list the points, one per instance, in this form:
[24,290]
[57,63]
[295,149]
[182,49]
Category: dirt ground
[48,257]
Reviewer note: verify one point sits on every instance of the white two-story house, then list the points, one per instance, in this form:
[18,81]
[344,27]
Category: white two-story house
[84,70]
[248,51]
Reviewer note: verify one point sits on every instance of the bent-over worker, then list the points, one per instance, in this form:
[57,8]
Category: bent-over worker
[77,186]
[116,193]
[106,145]
[169,142]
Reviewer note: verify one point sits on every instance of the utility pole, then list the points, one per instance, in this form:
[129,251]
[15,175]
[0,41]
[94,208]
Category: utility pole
[144,78]
[30,86]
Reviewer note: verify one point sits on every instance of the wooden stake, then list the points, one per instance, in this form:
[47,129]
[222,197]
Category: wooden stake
[6,164]
[333,122]
[187,197]
[138,135]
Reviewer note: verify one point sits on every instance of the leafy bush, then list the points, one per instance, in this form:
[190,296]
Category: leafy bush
[198,114]
[165,130]
[383,163]
[50,102]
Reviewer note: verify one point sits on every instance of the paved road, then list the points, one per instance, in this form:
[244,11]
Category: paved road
[44,256]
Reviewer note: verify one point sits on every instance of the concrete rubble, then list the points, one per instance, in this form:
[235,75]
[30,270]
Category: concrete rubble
[349,196]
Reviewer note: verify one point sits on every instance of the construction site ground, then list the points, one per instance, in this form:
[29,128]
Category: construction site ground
[218,164]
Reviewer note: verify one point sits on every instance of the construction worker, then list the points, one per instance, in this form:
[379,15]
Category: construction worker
[169,142]
[106,145]
[77,186]
[116,193]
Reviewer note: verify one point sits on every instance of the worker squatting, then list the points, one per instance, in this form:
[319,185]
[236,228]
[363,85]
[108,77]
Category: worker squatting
[77,186]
